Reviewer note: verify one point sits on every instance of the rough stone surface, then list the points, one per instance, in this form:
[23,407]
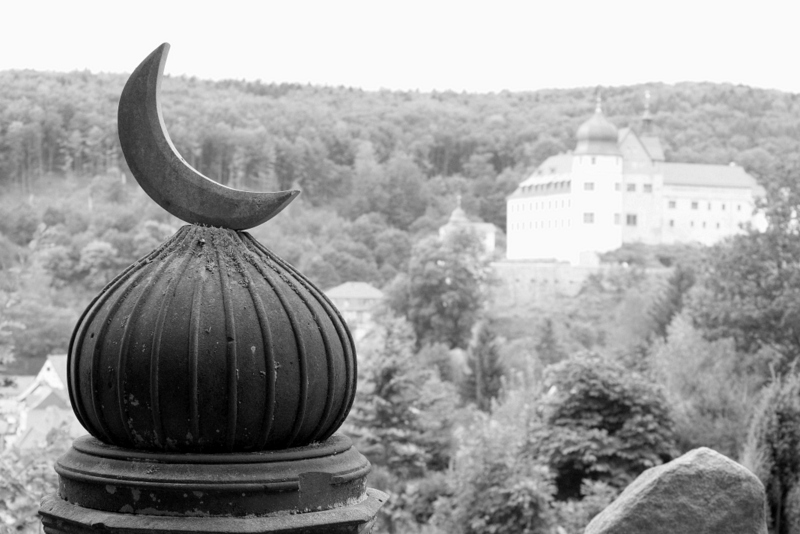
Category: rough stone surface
[702,492]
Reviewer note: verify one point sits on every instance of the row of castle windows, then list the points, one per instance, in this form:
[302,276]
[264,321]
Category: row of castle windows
[672,204]
[587,186]
[630,218]
[588,218]
[545,187]
[703,224]
[537,225]
[630,188]
[540,205]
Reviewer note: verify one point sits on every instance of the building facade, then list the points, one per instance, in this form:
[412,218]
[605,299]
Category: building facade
[357,302]
[616,188]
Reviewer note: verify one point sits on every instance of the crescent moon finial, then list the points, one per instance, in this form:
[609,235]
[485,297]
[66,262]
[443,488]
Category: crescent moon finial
[164,175]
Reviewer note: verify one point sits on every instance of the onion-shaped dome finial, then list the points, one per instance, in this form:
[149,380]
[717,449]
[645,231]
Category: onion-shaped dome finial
[211,343]
[597,136]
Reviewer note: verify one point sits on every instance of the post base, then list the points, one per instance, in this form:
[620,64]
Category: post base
[317,488]
[61,517]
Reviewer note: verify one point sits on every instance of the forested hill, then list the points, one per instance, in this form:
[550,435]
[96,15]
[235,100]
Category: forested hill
[354,149]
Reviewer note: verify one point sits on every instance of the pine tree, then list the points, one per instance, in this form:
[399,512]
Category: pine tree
[670,303]
[485,378]
[548,348]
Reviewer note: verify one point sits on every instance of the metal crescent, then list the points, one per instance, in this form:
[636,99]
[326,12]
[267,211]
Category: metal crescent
[166,176]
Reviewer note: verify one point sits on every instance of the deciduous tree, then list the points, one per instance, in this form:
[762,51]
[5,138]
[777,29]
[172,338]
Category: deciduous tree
[445,289]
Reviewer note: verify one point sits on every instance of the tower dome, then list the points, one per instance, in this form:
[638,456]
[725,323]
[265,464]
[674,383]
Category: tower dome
[597,136]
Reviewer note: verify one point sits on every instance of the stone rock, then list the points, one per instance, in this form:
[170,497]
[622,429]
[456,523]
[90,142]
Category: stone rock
[702,492]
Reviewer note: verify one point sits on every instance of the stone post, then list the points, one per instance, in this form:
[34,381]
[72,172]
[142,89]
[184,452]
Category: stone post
[211,375]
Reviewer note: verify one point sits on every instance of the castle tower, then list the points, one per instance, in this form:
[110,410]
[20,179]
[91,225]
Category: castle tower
[596,189]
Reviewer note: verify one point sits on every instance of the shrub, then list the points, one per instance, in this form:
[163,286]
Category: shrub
[600,421]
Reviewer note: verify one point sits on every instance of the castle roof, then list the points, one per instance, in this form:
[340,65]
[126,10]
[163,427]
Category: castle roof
[705,175]
[597,136]
[653,147]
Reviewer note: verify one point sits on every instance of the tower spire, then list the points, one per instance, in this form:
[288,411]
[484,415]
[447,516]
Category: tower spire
[647,117]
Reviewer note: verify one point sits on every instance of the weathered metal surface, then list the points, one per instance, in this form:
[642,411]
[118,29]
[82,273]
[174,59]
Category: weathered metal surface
[166,176]
[61,517]
[211,373]
[329,475]
[211,343]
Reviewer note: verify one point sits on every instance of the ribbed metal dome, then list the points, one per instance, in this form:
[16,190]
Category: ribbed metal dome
[211,343]
[597,136]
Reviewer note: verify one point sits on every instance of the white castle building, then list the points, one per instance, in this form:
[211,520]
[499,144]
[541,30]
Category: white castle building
[616,188]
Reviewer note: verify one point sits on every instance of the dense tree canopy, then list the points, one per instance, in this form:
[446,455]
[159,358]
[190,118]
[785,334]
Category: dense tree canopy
[380,173]
[751,289]
[356,149]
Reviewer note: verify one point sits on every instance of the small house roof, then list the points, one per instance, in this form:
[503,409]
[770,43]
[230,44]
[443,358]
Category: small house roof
[59,362]
[21,383]
[355,290]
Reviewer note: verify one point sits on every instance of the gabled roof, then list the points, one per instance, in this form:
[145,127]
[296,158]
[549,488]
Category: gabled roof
[651,144]
[54,397]
[53,374]
[653,147]
[60,366]
[555,169]
[354,290]
[554,165]
[704,175]
[21,383]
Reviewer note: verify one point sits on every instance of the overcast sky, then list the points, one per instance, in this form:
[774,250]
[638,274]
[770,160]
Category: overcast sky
[426,45]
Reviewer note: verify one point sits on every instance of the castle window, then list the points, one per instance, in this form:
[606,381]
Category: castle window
[694,205]
[723,207]
[588,186]
[617,186]
[630,219]
[594,160]
[648,188]
[709,206]
[588,218]
[691,224]
[738,207]
[671,223]
[630,188]
[617,218]
[717,226]
[704,224]
[672,204]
